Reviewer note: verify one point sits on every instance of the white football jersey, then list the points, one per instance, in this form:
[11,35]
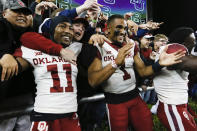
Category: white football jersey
[123,79]
[55,79]
[171,85]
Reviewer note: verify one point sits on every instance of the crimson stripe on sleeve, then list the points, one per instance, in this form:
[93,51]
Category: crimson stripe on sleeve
[98,55]
[136,50]
[18,52]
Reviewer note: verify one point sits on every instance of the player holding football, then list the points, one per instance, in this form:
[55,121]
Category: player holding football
[55,104]
[171,86]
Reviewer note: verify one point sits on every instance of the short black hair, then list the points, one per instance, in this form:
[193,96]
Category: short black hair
[180,34]
[113,17]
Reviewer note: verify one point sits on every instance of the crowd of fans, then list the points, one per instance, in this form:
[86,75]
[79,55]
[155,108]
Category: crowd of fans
[52,58]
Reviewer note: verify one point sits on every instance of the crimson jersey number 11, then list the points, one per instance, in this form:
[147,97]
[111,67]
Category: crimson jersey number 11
[56,80]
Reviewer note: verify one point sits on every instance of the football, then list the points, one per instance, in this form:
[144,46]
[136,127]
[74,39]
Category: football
[175,47]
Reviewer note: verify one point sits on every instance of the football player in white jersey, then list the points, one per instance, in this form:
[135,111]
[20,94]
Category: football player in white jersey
[114,69]
[55,104]
[84,59]
[171,84]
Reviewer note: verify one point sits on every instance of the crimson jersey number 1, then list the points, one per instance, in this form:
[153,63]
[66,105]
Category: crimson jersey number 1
[126,75]
[56,80]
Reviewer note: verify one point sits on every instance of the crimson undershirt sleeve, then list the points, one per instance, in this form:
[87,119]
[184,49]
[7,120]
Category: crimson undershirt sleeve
[136,49]
[98,55]
[36,41]
[18,52]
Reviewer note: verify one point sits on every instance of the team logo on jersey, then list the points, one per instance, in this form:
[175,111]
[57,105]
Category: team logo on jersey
[42,126]
[185,115]
[38,53]
[75,116]
[108,52]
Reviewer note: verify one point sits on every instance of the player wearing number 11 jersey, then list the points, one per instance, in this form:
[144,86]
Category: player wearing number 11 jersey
[55,104]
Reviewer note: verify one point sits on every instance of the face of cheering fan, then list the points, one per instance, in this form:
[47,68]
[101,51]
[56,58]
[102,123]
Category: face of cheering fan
[64,33]
[160,42]
[18,18]
[145,42]
[79,30]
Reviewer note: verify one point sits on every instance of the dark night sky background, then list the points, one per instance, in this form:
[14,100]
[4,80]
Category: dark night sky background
[174,13]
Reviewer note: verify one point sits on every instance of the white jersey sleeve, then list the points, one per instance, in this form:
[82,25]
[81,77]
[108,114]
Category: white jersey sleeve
[76,47]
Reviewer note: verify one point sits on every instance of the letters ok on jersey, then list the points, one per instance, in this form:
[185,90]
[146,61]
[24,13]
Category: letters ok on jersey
[55,79]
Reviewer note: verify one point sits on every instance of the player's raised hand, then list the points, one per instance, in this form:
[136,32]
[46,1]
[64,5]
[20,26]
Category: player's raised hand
[9,67]
[98,39]
[132,27]
[91,4]
[122,53]
[150,25]
[166,59]
[88,5]
[103,16]
[128,15]
[44,6]
[129,41]
[68,55]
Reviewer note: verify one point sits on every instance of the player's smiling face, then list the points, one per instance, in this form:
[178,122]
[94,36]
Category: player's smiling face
[63,33]
[117,30]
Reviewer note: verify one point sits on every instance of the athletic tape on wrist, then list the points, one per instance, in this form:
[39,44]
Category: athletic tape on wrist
[114,65]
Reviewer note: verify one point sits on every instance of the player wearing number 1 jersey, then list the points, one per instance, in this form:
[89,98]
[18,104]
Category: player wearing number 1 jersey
[55,104]
[114,69]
